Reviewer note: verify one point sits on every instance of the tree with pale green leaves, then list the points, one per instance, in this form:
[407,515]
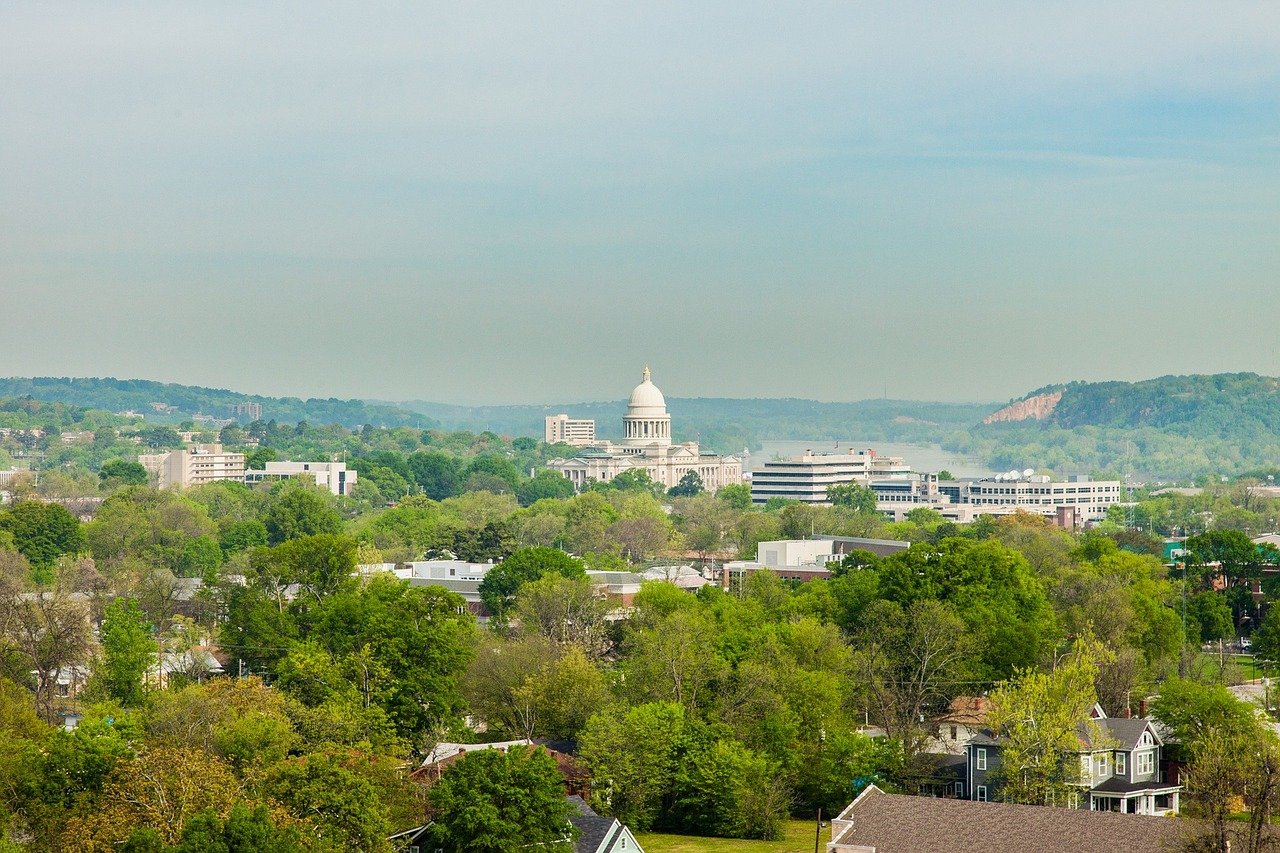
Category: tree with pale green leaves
[1038,717]
[128,650]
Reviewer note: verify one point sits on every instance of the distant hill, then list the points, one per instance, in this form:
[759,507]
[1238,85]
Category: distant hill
[1222,403]
[727,424]
[1173,427]
[171,403]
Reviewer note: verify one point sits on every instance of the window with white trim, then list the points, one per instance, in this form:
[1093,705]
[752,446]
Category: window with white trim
[981,759]
[982,793]
[1120,764]
[1144,762]
[959,789]
[1102,765]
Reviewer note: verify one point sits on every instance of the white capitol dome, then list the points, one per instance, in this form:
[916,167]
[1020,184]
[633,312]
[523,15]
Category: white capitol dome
[646,399]
[646,421]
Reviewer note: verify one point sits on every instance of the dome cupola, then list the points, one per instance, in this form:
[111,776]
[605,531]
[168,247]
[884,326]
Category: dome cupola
[646,421]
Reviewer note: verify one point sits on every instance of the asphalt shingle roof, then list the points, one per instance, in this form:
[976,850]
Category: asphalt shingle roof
[896,823]
[592,828]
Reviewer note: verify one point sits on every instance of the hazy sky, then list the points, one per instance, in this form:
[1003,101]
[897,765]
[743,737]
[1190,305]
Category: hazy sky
[476,202]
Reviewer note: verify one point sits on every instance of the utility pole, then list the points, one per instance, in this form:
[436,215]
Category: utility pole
[817,831]
[1186,573]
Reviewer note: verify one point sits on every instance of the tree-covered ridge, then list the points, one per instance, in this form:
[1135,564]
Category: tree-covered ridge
[26,413]
[1170,428]
[118,395]
[1198,405]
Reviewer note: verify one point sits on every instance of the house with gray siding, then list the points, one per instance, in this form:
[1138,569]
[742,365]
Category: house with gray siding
[1119,767]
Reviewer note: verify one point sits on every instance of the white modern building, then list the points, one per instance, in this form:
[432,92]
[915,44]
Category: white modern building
[647,445]
[806,478]
[1090,498]
[562,429]
[204,463]
[333,476]
[1078,498]
[789,559]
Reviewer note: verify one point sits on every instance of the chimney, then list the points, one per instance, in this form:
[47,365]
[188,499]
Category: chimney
[1142,709]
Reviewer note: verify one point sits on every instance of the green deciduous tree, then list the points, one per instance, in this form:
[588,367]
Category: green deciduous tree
[633,758]
[120,472]
[245,830]
[690,484]
[1039,716]
[1209,617]
[859,498]
[724,789]
[1266,639]
[544,484]
[907,666]
[42,532]
[503,581]
[439,475]
[736,495]
[490,801]
[566,611]
[297,511]
[412,644]
[342,806]
[128,649]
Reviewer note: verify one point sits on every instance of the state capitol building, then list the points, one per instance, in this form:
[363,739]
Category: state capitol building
[646,444]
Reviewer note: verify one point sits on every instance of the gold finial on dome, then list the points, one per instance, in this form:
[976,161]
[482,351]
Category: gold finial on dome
[646,373]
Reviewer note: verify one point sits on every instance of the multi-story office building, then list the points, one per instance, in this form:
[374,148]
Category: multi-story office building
[204,463]
[1090,498]
[1004,494]
[333,476]
[806,478]
[562,429]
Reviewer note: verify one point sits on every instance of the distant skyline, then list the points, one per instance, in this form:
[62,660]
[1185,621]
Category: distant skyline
[520,203]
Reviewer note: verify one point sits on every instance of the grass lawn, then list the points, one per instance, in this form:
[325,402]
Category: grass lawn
[797,838]
[1249,667]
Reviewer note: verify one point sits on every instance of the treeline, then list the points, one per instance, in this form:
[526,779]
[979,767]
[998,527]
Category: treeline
[117,395]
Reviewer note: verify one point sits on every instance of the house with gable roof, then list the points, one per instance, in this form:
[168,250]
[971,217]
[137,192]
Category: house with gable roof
[599,834]
[1120,767]
[877,822]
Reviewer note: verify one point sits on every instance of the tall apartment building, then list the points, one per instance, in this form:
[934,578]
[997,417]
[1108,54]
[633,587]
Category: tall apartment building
[333,476]
[562,429]
[806,478]
[204,463]
[250,409]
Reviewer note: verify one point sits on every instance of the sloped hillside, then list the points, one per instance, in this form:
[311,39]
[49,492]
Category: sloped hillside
[1197,405]
[1172,427]
[179,402]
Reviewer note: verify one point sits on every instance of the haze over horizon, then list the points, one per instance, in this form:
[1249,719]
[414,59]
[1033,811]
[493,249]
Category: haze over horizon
[521,204]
